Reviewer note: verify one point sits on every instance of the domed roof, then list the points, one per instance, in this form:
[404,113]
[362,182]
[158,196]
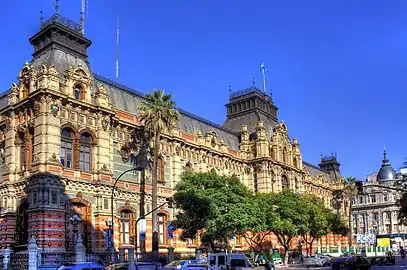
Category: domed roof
[386,172]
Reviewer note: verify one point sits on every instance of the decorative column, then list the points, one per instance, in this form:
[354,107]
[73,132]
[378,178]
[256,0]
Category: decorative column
[121,254]
[79,250]
[32,254]
[6,258]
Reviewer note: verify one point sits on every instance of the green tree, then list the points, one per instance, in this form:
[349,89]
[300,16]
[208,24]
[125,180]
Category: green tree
[286,217]
[317,220]
[350,190]
[320,221]
[159,114]
[212,204]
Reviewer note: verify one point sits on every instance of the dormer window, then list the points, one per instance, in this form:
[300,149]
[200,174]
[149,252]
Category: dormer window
[78,92]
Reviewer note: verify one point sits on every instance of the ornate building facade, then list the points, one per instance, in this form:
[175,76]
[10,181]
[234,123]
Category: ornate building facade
[376,211]
[64,137]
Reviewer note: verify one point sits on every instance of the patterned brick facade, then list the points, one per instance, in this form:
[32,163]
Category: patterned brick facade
[64,136]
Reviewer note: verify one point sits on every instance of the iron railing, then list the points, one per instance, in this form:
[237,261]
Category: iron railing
[55,259]
[101,258]
[18,261]
[1,261]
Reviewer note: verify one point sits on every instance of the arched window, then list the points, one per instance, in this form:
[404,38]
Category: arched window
[162,229]
[125,226]
[78,92]
[66,148]
[284,183]
[84,153]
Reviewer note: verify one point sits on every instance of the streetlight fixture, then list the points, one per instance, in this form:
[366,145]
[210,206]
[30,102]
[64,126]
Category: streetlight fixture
[75,220]
[109,224]
[142,161]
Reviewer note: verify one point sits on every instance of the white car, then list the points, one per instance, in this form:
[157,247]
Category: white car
[313,261]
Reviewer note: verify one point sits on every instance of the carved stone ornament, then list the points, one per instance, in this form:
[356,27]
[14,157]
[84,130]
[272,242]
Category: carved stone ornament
[79,195]
[127,204]
[36,158]
[54,109]
[7,121]
[105,124]
[105,168]
[259,167]
[178,150]
[54,159]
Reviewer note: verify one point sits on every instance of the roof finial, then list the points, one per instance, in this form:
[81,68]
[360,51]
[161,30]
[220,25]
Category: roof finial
[56,6]
[230,89]
[254,81]
[41,18]
[384,154]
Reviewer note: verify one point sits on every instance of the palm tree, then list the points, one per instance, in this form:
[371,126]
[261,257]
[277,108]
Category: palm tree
[158,113]
[350,190]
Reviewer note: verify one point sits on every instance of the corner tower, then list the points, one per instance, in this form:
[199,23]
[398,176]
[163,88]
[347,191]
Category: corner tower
[248,107]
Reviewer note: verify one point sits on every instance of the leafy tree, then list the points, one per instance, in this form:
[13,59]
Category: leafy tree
[317,220]
[159,114]
[320,221]
[350,190]
[285,216]
[212,204]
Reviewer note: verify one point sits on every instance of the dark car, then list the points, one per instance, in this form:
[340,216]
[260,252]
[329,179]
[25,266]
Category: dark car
[351,263]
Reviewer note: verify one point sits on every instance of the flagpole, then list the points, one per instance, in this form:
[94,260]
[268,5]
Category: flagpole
[263,72]
[83,15]
[117,50]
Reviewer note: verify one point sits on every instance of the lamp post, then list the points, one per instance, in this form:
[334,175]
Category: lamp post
[109,224]
[75,220]
[142,161]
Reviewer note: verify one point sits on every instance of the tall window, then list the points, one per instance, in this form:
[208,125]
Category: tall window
[20,142]
[284,183]
[66,148]
[162,220]
[77,92]
[373,198]
[84,154]
[125,217]
[385,197]
[160,170]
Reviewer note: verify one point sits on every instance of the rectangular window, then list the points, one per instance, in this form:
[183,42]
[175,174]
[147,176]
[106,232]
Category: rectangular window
[84,159]
[22,157]
[105,203]
[385,197]
[125,227]
[373,198]
[160,170]
[66,154]
[54,197]
[161,230]
[35,197]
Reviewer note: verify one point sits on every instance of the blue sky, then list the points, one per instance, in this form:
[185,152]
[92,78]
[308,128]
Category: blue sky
[337,68]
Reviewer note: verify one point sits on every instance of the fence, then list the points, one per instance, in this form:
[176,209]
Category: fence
[18,261]
[55,259]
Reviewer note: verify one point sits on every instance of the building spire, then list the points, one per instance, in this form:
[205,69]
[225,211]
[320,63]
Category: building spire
[82,19]
[56,6]
[81,24]
[254,81]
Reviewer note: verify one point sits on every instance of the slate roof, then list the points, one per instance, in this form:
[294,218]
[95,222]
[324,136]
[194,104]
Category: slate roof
[315,170]
[128,99]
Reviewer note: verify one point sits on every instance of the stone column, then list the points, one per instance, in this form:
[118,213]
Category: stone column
[170,254]
[121,254]
[131,259]
[32,254]
[6,258]
[79,250]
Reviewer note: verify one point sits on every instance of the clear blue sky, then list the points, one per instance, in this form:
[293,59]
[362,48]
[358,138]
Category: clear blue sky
[338,69]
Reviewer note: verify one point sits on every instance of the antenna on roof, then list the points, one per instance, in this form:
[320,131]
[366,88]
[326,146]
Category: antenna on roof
[117,49]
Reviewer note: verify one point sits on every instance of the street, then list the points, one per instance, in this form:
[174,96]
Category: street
[400,264]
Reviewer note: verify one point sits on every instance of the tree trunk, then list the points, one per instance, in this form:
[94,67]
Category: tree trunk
[154,194]
[350,222]
[286,254]
[311,246]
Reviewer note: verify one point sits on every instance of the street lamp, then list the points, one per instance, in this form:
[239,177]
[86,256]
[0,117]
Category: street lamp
[109,224]
[142,161]
[75,220]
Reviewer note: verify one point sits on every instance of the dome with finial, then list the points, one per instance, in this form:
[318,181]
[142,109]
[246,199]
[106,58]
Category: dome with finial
[386,172]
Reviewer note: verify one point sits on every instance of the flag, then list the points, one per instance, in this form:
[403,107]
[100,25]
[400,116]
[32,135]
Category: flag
[262,68]
[170,230]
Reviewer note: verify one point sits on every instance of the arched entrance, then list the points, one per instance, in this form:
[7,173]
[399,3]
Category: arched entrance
[78,222]
[21,234]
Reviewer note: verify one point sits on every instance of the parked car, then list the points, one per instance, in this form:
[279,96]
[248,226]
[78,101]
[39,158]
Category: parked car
[83,266]
[315,260]
[350,263]
[174,265]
